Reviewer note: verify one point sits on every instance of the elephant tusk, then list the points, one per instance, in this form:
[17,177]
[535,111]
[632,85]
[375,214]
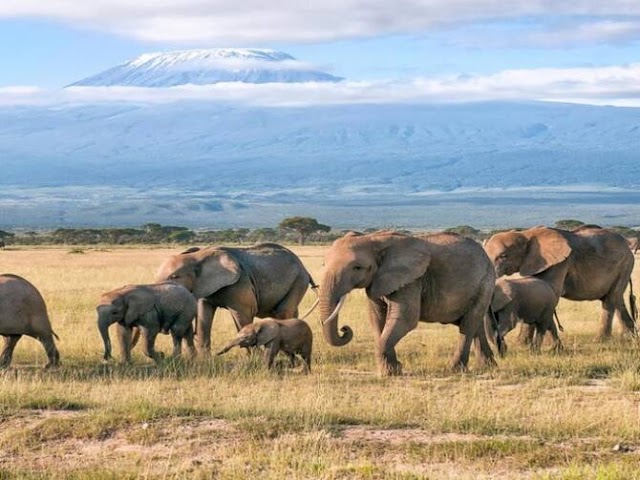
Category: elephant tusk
[313,307]
[336,311]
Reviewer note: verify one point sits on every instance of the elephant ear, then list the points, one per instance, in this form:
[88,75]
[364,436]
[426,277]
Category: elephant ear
[402,260]
[266,332]
[138,302]
[546,248]
[502,296]
[214,272]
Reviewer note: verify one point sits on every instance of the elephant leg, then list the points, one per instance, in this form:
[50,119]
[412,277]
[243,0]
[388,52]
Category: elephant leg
[204,322]
[621,311]
[123,335]
[6,355]
[403,314]
[606,318]
[292,359]
[270,352]
[51,350]
[483,349]
[177,345]
[553,330]
[288,306]
[539,331]
[149,345]
[377,317]
[525,336]
[305,353]
[188,339]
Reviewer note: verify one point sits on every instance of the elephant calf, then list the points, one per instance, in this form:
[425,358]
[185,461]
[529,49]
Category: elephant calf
[23,312]
[292,336]
[166,307]
[530,300]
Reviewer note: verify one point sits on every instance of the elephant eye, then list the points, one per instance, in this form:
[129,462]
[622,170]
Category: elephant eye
[358,267]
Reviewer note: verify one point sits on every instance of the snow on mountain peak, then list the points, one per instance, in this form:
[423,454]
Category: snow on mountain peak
[208,66]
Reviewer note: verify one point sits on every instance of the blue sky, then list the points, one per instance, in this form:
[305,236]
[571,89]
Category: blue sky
[51,43]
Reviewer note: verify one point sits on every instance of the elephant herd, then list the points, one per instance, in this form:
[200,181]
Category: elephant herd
[516,276]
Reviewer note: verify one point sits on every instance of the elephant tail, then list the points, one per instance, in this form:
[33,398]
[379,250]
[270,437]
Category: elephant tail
[55,335]
[135,337]
[632,302]
[314,287]
[500,343]
[555,314]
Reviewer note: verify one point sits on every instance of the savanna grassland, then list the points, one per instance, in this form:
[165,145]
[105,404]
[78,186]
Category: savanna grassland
[545,416]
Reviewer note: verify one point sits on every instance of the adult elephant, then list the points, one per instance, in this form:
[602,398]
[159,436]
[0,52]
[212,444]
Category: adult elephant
[265,280]
[441,278]
[589,263]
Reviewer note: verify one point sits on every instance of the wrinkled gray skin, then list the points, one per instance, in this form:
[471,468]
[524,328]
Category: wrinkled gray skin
[441,278]
[292,336]
[530,300]
[23,312]
[589,263]
[265,280]
[164,307]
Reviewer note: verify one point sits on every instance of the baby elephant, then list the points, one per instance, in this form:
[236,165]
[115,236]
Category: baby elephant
[528,299]
[166,307]
[292,336]
[23,312]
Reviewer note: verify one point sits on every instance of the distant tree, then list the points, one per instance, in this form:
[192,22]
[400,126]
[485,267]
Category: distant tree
[303,226]
[465,231]
[3,236]
[569,224]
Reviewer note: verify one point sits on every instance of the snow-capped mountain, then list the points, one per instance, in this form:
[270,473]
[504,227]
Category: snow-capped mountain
[202,163]
[208,66]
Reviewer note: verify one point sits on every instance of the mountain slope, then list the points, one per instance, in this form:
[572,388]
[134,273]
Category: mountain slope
[203,67]
[194,160]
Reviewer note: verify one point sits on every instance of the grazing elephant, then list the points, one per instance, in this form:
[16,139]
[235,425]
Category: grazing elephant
[265,280]
[530,300]
[164,307]
[589,263]
[292,336]
[441,278]
[23,312]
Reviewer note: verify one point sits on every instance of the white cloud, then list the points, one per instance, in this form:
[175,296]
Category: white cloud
[613,85]
[229,22]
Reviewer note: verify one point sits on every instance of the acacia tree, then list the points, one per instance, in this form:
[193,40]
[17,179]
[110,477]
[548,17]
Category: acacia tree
[303,226]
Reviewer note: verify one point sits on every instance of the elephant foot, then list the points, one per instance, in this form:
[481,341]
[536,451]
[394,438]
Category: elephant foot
[603,337]
[458,367]
[557,348]
[390,369]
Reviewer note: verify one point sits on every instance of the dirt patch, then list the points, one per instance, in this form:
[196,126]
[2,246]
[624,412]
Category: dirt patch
[402,435]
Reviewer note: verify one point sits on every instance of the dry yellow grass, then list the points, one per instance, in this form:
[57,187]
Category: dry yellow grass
[539,416]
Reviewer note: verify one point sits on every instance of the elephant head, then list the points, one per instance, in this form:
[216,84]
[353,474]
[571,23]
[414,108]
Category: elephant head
[124,306]
[528,252]
[381,262]
[202,271]
[253,335]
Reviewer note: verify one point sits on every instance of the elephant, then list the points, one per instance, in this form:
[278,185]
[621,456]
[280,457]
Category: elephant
[443,278]
[292,336]
[164,307]
[588,263]
[530,300]
[634,244]
[24,312]
[265,280]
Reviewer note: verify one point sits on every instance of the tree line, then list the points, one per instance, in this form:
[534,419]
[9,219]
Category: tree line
[301,230]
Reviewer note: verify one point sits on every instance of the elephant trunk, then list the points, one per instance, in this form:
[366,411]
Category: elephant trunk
[103,325]
[330,305]
[229,346]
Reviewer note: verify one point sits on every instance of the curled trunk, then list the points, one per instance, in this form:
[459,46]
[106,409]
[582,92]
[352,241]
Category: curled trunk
[330,306]
[229,346]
